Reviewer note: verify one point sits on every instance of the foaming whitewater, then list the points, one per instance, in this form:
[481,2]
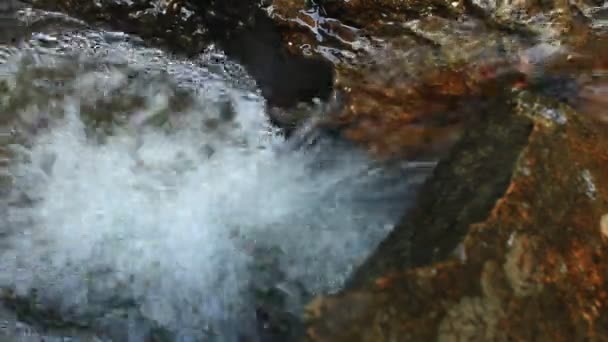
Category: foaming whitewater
[141,202]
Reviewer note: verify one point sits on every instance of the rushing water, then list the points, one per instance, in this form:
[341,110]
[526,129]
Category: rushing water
[142,192]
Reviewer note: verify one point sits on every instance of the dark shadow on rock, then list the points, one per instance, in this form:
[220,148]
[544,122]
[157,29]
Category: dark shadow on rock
[462,190]
[284,79]
[246,33]
[240,27]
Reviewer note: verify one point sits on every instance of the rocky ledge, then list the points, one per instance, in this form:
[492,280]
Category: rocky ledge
[509,238]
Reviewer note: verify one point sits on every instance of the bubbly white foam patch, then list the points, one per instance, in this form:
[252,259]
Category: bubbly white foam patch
[171,221]
[153,218]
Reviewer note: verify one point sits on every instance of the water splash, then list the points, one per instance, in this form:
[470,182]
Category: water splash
[178,223]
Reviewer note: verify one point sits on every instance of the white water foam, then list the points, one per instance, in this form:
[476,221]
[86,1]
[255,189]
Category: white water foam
[158,219]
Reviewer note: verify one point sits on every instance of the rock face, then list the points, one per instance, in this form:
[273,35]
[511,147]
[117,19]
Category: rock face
[508,240]
[530,264]
[409,73]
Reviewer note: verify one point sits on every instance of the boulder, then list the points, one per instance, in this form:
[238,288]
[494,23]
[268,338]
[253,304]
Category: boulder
[409,73]
[508,241]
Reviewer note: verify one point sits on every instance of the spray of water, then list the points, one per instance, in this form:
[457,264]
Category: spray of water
[178,218]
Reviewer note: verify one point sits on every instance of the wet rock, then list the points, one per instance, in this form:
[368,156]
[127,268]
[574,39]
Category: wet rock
[532,264]
[444,56]
[409,72]
[441,62]
[239,27]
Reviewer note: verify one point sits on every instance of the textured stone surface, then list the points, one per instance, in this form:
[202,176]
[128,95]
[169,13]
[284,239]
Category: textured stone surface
[409,73]
[533,267]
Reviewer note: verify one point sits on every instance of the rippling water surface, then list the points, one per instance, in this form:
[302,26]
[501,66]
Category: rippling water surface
[143,194]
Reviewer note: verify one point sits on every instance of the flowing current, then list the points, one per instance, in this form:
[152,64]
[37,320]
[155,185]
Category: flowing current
[143,195]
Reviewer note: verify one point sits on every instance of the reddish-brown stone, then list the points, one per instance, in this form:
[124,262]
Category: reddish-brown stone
[534,269]
[437,68]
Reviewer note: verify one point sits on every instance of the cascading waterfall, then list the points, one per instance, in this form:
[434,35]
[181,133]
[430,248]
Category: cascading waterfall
[143,192]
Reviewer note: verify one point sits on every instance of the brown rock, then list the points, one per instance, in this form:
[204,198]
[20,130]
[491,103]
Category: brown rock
[444,58]
[542,229]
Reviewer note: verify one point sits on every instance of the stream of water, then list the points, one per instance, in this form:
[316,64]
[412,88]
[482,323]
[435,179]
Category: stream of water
[141,192]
